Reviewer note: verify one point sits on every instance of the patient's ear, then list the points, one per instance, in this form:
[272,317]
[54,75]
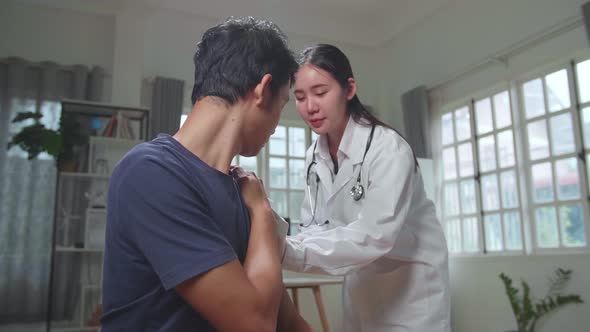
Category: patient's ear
[262,91]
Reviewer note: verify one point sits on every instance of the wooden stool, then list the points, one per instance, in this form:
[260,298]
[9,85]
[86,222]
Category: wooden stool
[294,284]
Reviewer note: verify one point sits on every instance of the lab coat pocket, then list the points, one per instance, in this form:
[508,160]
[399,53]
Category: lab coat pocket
[400,295]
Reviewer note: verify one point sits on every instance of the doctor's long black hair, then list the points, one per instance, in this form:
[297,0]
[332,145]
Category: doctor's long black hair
[331,59]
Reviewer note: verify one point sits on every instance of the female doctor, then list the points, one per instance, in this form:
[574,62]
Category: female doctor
[365,214]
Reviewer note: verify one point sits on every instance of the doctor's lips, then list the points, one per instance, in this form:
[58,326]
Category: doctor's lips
[316,123]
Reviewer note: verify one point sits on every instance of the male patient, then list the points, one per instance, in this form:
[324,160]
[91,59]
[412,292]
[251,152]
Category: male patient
[191,245]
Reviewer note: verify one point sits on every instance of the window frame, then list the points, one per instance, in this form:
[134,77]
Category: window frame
[523,163]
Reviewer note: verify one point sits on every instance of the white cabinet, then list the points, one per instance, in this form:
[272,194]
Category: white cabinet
[104,134]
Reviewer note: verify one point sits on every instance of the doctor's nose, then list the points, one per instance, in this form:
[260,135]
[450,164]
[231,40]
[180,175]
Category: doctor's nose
[312,107]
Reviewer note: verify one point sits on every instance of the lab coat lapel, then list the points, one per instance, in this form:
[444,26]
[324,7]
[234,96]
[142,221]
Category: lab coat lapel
[344,176]
[354,147]
[325,176]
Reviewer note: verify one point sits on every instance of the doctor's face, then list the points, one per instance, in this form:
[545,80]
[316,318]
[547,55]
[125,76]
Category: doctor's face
[321,101]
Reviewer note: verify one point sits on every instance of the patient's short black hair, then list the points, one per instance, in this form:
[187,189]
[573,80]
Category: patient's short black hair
[232,57]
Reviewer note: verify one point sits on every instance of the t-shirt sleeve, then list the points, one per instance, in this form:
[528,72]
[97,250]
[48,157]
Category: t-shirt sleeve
[169,221]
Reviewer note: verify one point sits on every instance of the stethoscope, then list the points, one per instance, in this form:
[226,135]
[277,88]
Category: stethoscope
[357,191]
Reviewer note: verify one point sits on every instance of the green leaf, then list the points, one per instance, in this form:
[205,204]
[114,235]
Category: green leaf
[26,115]
[512,294]
[528,314]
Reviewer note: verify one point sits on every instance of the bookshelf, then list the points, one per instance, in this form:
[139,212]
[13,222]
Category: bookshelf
[104,133]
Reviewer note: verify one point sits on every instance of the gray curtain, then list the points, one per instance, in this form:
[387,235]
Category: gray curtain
[586,14]
[166,106]
[417,121]
[27,187]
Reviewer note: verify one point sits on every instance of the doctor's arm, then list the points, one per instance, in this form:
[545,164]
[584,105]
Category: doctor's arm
[373,233]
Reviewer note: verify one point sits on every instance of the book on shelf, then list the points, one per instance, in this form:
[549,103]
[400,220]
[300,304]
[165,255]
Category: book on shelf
[111,127]
[119,125]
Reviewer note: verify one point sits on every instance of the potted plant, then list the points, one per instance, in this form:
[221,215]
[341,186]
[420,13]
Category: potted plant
[60,144]
[527,313]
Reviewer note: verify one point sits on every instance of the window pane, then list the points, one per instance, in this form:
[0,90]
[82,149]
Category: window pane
[558,91]
[249,163]
[450,163]
[278,201]
[538,141]
[278,142]
[483,116]
[562,134]
[451,200]
[468,204]
[51,114]
[314,136]
[234,161]
[512,231]
[542,183]
[506,149]
[278,173]
[448,135]
[453,228]
[470,235]
[502,110]
[568,180]
[583,69]
[493,229]
[295,200]
[487,153]
[463,123]
[534,104]
[297,142]
[509,190]
[465,159]
[489,192]
[573,232]
[296,174]
[546,227]
[586,126]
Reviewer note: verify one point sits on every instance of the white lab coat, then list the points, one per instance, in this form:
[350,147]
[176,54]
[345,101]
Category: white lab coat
[389,245]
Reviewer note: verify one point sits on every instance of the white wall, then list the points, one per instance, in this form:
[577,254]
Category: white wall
[459,36]
[171,36]
[450,41]
[66,37]
[47,34]
[163,45]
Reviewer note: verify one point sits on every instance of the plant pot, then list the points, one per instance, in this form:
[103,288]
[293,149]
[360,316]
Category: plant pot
[68,166]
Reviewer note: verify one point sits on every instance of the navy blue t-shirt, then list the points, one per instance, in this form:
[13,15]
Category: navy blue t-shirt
[170,217]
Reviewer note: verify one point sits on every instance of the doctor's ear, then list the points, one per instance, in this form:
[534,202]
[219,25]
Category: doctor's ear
[351,88]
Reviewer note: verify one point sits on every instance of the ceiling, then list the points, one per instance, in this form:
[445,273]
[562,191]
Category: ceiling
[361,22]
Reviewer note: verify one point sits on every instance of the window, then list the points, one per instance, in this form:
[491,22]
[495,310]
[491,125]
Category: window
[285,183]
[555,182]
[481,200]
[51,111]
[481,184]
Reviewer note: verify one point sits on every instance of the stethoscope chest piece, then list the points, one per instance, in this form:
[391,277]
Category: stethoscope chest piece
[357,192]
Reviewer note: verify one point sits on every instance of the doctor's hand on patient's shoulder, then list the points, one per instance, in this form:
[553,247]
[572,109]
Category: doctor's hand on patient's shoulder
[251,188]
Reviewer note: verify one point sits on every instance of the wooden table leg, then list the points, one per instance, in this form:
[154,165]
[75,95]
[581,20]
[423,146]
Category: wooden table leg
[320,304]
[295,294]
